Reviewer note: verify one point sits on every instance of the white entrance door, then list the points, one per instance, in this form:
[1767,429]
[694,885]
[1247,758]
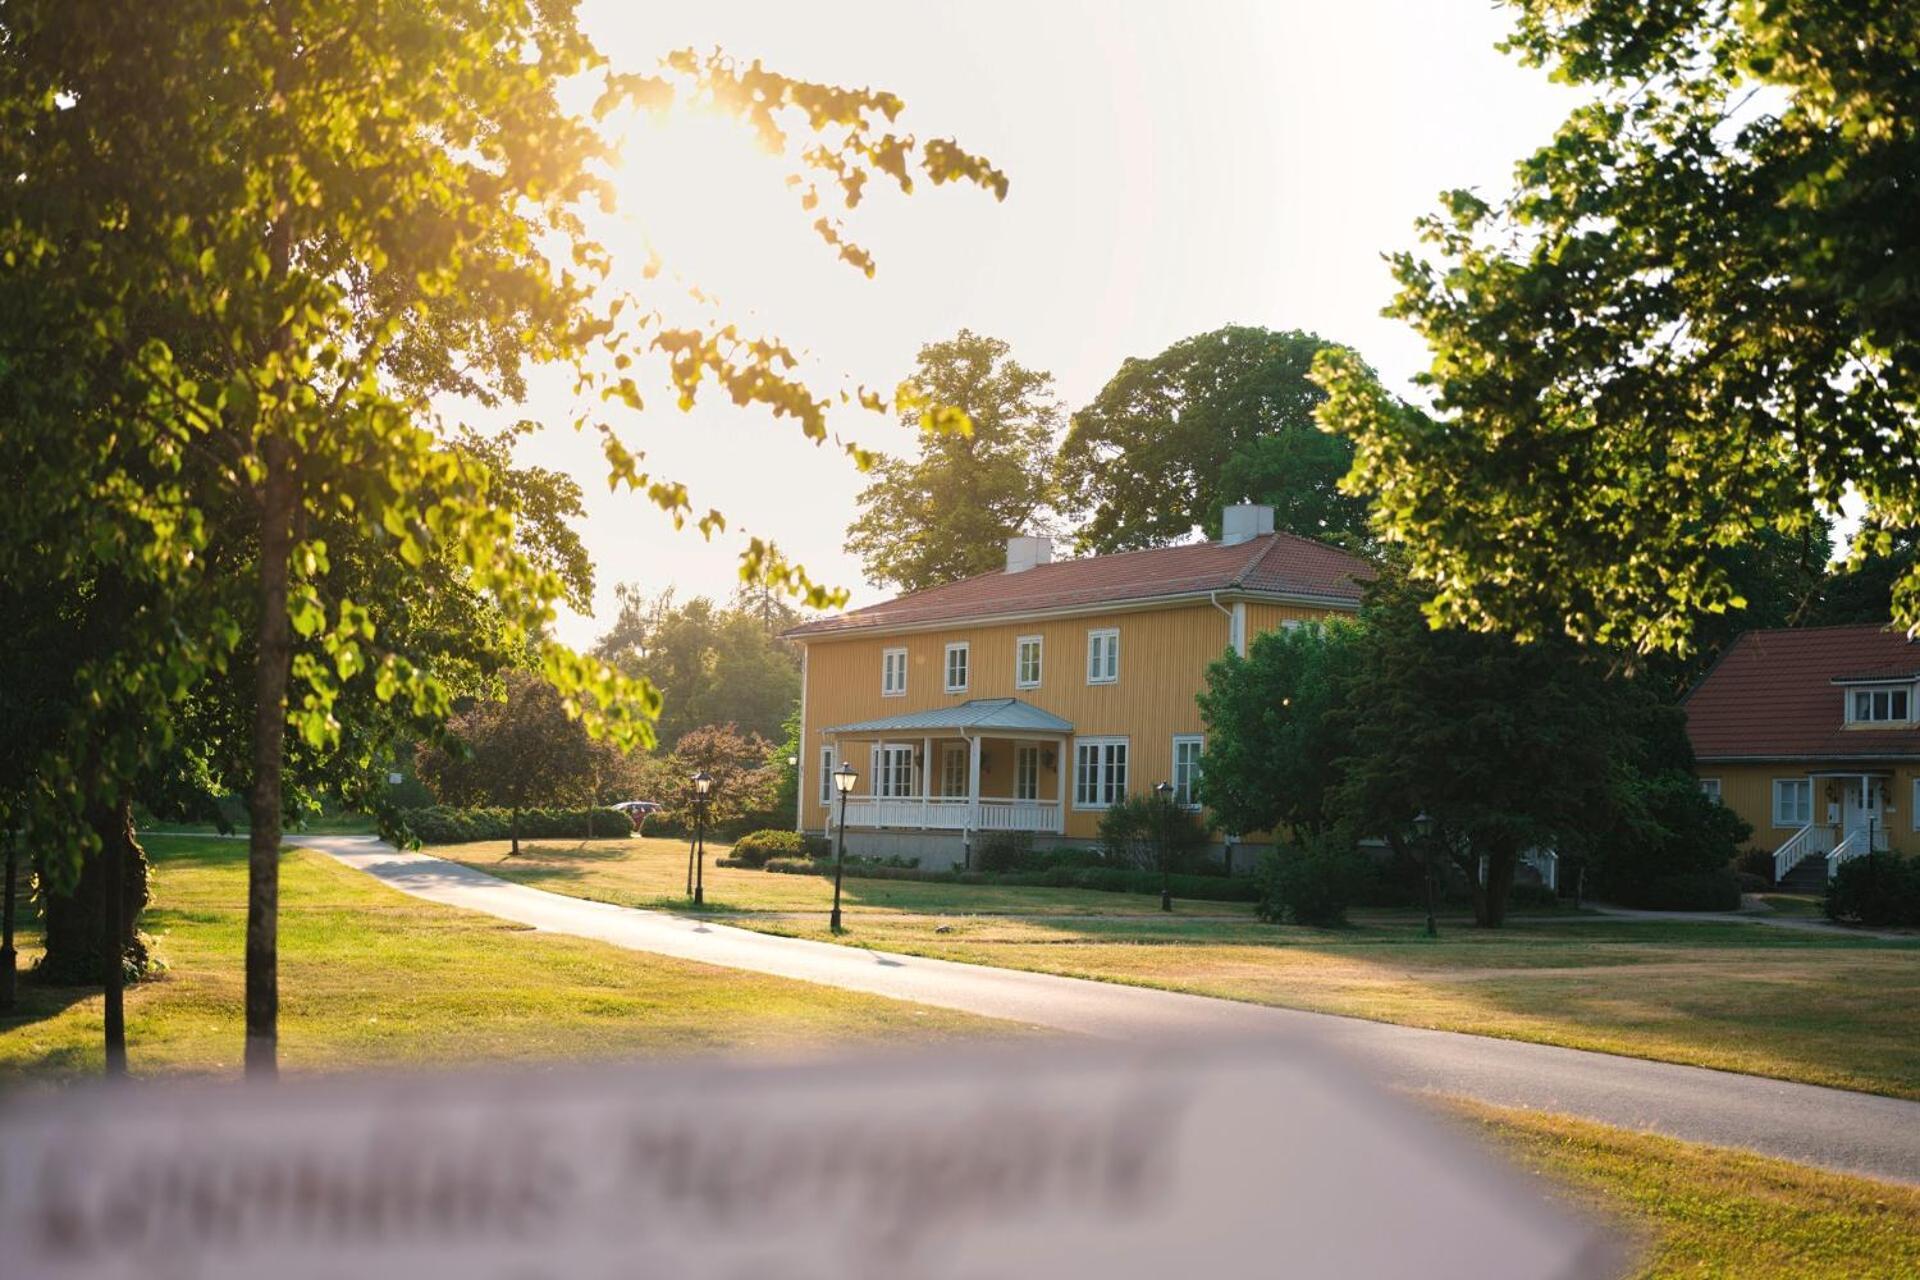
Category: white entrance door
[1860,805]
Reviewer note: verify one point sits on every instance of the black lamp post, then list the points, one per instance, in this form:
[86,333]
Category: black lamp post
[843,779]
[702,792]
[1423,829]
[1163,838]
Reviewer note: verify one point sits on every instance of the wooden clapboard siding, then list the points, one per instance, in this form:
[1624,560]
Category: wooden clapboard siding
[1747,789]
[1164,655]
[1262,616]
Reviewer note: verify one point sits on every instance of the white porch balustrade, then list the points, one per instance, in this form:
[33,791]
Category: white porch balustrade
[950,813]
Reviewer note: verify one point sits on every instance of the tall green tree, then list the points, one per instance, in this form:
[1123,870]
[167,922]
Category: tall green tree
[1506,746]
[1276,738]
[1215,419]
[712,665]
[947,513]
[520,751]
[206,363]
[1696,315]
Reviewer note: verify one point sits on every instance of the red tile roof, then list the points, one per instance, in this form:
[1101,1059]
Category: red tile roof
[1772,697]
[1272,564]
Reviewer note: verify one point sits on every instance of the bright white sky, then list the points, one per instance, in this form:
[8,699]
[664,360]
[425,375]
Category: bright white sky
[1174,167]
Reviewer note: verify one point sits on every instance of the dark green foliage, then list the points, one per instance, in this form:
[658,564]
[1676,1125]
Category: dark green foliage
[1311,883]
[1003,851]
[1757,863]
[444,824]
[1201,888]
[1274,742]
[1688,891]
[1215,419]
[1698,310]
[1149,833]
[1880,890]
[1668,830]
[754,848]
[947,514]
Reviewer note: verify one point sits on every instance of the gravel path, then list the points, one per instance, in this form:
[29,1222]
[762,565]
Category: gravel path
[1833,1128]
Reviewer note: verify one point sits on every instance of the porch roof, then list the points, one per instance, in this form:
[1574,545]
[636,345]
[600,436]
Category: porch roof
[1006,715]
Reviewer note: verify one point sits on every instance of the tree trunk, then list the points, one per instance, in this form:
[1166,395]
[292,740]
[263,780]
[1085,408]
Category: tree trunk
[9,980]
[1490,899]
[513,832]
[81,925]
[269,742]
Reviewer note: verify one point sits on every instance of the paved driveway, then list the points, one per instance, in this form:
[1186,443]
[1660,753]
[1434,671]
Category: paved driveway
[1834,1128]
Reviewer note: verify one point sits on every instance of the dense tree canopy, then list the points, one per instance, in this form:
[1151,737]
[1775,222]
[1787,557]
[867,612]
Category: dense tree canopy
[248,247]
[712,665]
[947,513]
[1215,419]
[522,751]
[1698,310]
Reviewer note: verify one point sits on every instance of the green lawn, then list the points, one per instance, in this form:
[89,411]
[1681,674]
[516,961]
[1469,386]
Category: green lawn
[1826,1008]
[1706,1211]
[369,976]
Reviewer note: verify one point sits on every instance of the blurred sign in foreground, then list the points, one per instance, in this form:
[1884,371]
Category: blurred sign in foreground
[1249,1158]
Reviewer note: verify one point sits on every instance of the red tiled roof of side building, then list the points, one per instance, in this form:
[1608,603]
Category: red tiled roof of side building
[1275,564]
[1771,696]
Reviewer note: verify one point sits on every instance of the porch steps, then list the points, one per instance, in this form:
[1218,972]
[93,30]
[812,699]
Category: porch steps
[1809,875]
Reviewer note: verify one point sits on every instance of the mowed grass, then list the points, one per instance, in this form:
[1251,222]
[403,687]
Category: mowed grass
[371,977]
[1707,1211]
[1827,1008]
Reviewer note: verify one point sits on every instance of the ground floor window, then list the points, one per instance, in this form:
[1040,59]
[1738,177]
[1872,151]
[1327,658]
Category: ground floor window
[1710,788]
[1186,769]
[1099,772]
[893,772]
[826,775]
[1792,802]
[1026,773]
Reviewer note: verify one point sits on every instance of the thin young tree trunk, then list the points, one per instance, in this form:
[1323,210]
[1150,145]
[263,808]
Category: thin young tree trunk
[269,741]
[9,979]
[113,862]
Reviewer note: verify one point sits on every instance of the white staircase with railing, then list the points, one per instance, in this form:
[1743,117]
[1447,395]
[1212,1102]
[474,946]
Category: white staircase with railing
[1816,838]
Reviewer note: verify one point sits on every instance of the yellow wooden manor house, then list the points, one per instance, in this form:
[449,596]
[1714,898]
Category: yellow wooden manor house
[1033,698]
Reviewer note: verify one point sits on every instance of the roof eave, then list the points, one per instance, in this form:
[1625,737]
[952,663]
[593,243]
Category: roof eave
[1126,604]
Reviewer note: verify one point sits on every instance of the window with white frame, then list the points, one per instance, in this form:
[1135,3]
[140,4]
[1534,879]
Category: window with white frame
[1026,662]
[1710,788]
[1916,804]
[826,776]
[1103,656]
[1868,706]
[1792,802]
[953,769]
[1026,773]
[893,672]
[957,656]
[1099,772]
[1186,769]
[893,771]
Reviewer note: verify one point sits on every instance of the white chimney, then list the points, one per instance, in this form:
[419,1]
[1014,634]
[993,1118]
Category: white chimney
[1024,553]
[1244,522]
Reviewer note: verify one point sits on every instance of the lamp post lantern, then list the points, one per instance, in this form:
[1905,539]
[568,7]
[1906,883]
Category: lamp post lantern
[1163,840]
[702,792]
[843,779]
[1423,828]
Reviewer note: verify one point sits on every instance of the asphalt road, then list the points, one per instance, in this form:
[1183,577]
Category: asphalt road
[1833,1128]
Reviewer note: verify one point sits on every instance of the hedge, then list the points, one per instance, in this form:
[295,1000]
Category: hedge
[444,824]
[1203,888]
[1880,890]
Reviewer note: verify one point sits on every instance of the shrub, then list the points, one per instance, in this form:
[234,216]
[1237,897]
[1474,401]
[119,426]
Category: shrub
[1881,890]
[1750,883]
[1757,863]
[1532,895]
[754,848]
[1671,831]
[1310,884]
[1069,856]
[443,824]
[1690,891]
[1152,834]
[1004,851]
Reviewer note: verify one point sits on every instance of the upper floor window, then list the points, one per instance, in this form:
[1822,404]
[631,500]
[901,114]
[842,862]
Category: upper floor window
[1869,705]
[893,673]
[1186,769]
[1026,662]
[957,654]
[1103,656]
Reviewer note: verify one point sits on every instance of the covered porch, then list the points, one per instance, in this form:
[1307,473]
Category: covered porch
[993,764]
[1846,819]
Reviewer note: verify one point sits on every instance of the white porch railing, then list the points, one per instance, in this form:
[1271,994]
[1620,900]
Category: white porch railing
[1859,842]
[1814,838]
[1547,863]
[950,813]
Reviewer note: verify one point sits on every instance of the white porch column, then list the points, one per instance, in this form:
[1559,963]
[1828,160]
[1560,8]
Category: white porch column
[973,782]
[926,770]
[1064,762]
